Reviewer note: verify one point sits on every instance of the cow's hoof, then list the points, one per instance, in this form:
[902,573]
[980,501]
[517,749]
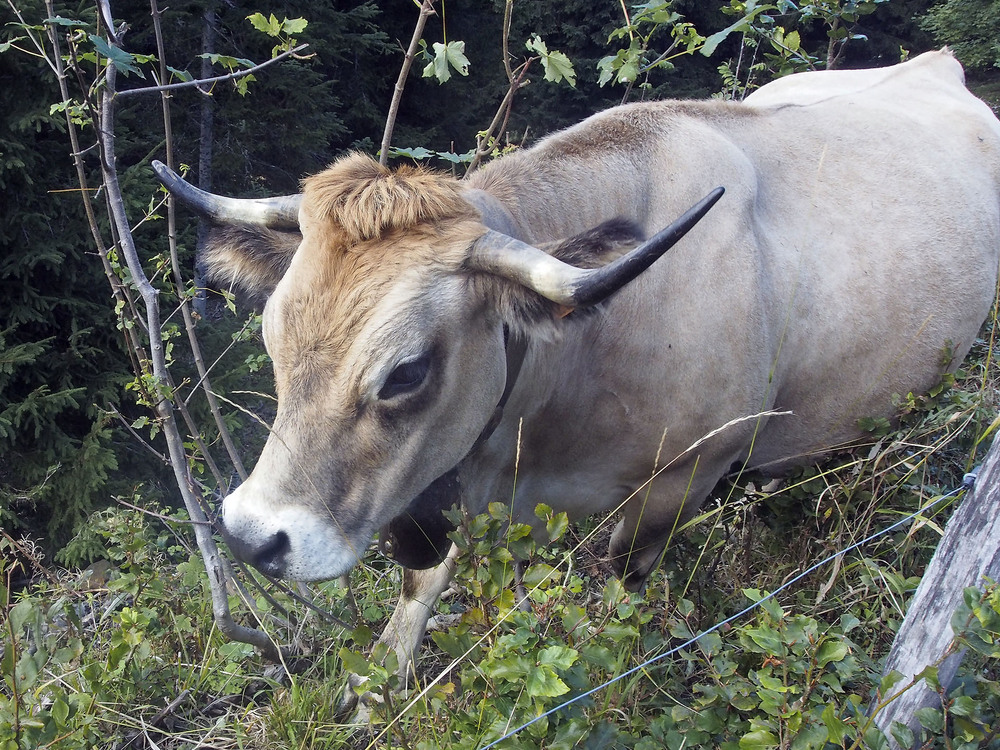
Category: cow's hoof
[355,702]
[350,698]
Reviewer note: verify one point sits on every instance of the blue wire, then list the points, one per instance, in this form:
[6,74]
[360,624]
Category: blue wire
[967,482]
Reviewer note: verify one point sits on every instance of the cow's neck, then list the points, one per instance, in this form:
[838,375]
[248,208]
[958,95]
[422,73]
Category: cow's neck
[516,346]
[539,199]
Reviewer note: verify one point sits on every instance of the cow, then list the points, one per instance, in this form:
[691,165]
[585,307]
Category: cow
[425,330]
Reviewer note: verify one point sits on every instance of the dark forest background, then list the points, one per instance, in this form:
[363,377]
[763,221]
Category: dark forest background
[67,413]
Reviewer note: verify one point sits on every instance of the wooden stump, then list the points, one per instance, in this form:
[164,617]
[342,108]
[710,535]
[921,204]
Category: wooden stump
[968,552]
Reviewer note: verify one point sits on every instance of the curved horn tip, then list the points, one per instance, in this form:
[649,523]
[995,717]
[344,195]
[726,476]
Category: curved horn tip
[598,284]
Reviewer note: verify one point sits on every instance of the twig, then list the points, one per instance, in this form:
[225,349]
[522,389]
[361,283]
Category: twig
[516,80]
[216,79]
[501,118]
[426,9]
[170,707]
[55,62]
[325,614]
[121,295]
[139,438]
[161,516]
[164,406]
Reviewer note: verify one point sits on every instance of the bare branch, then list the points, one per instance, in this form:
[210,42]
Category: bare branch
[516,79]
[211,81]
[185,300]
[164,408]
[426,10]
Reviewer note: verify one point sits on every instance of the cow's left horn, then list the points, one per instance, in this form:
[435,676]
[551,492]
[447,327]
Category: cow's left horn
[499,254]
[281,212]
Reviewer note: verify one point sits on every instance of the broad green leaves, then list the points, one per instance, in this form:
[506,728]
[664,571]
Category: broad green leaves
[283,30]
[557,66]
[643,30]
[123,61]
[744,24]
[446,58]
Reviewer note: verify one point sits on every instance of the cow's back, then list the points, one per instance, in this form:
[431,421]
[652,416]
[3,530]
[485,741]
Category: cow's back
[881,236]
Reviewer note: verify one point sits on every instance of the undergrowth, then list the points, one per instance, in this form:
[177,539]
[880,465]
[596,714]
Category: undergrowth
[132,660]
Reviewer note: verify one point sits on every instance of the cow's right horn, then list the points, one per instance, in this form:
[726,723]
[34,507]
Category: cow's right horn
[568,285]
[280,212]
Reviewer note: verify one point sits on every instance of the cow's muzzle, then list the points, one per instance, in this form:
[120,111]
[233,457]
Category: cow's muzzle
[269,556]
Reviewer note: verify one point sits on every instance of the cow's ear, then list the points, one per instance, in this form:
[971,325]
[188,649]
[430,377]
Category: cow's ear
[528,311]
[598,246]
[248,259]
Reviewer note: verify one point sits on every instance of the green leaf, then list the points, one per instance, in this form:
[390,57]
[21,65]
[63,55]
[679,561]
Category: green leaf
[888,682]
[511,668]
[810,737]
[60,21]
[558,657]
[270,26]
[454,158]
[963,705]
[767,638]
[902,734]
[744,24]
[5,46]
[226,60]
[354,662]
[60,711]
[556,526]
[618,631]
[759,739]
[120,59]
[538,575]
[536,45]
[772,683]
[455,54]
[930,718]
[831,651]
[182,75]
[447,57]
[599,656]
[294,25]
[544,683]
[849,622]
[836,728]
[557,65]
[412,153]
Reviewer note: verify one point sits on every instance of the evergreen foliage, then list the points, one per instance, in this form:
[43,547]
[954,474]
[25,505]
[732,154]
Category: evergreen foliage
[971,28]
[61,362]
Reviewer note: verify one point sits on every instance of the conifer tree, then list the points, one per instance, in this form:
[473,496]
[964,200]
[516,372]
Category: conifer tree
[61,363]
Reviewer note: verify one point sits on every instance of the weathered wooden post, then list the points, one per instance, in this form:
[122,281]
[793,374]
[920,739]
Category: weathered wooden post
[968,552]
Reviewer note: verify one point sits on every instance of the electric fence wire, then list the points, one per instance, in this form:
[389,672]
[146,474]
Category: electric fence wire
[968,481]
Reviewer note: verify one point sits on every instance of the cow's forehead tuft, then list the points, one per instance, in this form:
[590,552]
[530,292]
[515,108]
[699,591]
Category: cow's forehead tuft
[367,200]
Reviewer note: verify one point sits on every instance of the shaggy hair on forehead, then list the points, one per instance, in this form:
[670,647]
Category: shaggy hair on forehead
[366,199]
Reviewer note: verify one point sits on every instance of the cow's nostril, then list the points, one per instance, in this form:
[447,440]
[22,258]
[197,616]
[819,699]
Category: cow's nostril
[270,559]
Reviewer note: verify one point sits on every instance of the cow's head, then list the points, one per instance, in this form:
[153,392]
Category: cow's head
[385,318]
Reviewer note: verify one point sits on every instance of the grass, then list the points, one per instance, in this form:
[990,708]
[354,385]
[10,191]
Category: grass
[136,662]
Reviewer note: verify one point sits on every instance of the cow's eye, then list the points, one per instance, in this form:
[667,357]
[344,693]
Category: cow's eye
[406,377]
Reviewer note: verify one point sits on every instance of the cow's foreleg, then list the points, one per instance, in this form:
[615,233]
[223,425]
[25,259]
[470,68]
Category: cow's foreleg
[420,592]
[635,553]
[652,516]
